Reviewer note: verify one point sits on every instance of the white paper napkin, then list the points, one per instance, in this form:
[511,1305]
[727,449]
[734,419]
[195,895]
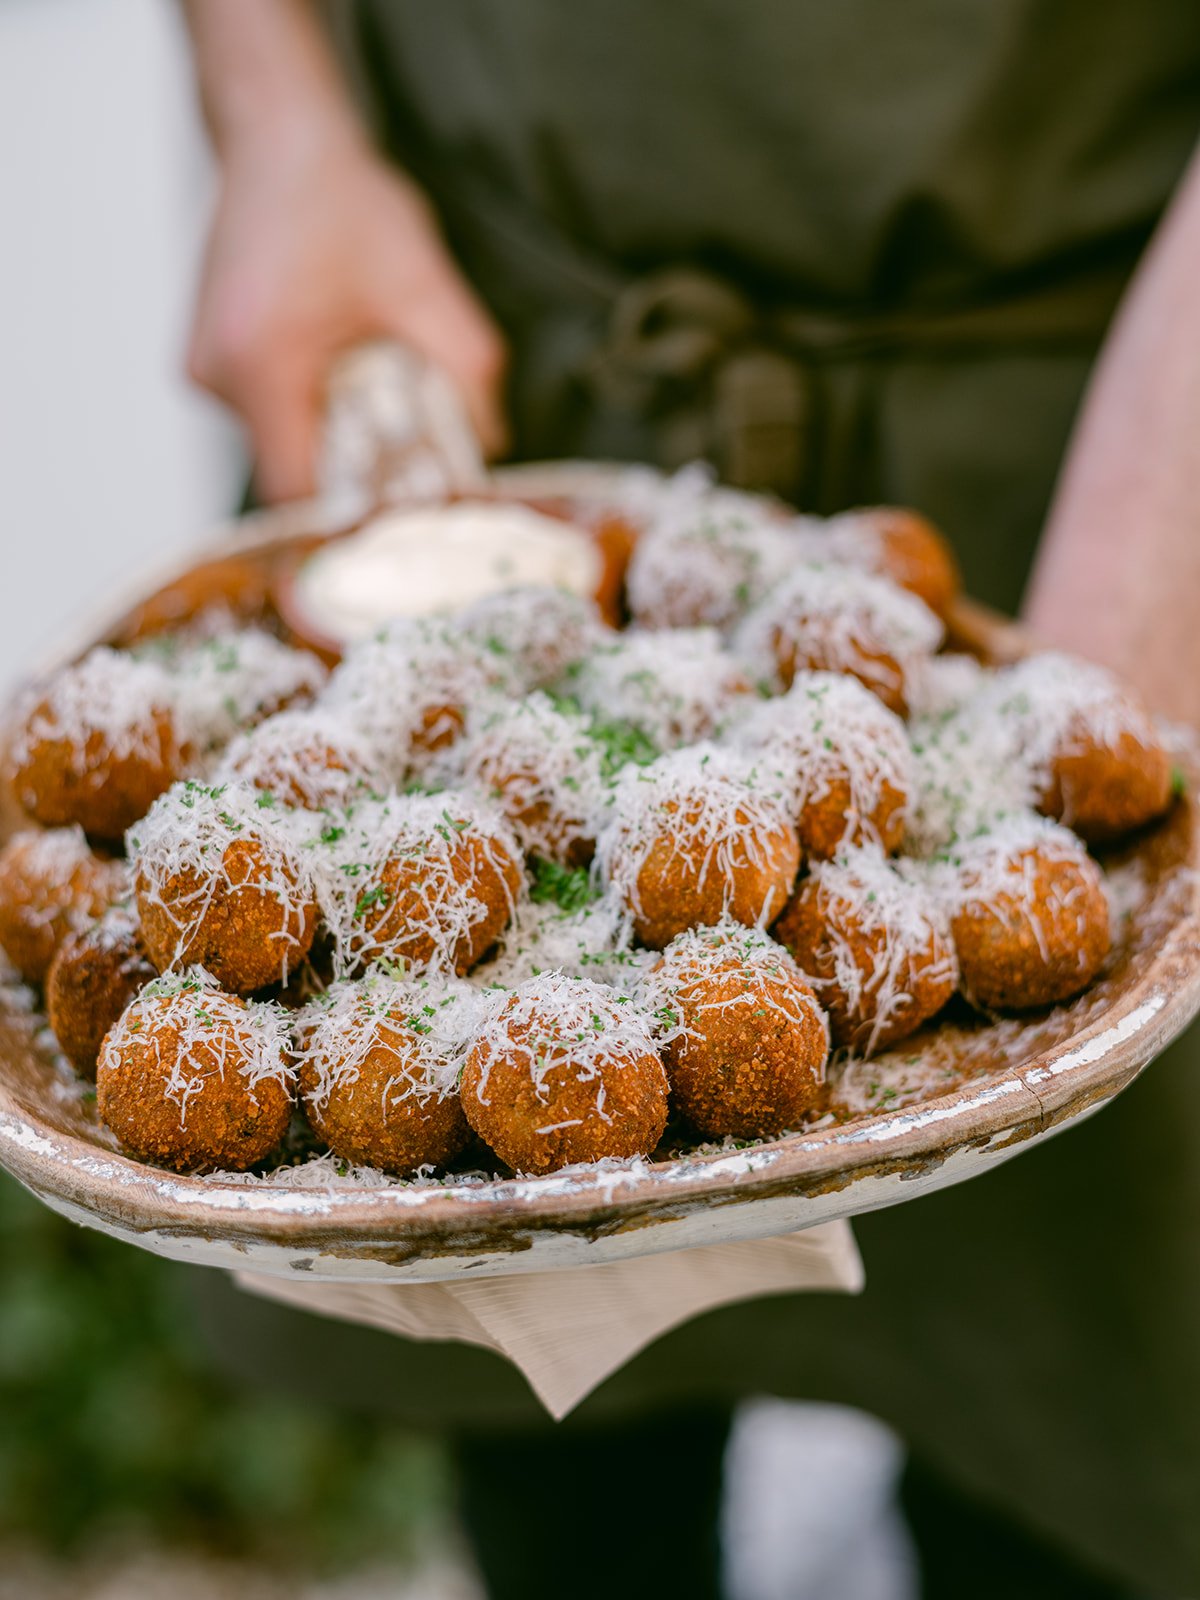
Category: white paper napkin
[567,1331]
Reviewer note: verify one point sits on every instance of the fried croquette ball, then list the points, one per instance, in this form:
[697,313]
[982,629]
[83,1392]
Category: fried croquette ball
[100,743]
[94,976]
[544,771]
[705,557]
[533,633]
[875,946]
[379,1062]
[1030,916]
[302,758]
[51,886]
[427,882]
[234,680]
[745,1038]
[564,1070]
[192,1078]
[840,755]
[694,838]
[1094,757]
[901,545]
[674,685]
[407,690]
[221,883]
[835,619]
[1104,791]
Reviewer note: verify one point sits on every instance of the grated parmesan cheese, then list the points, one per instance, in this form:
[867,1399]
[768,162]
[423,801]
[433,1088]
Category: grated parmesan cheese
[108,699]
[433,1019]
[676,685]
[989,756]
[553,1024]
[591,942]
[706,555]
[843,619]
[534,633]
[215,1033]
[893,916]
[406,690]
[828,729]
[421,836]
[939,684]
[718,811]
[1004,863]
[766,968]
[308,758]
[541,766]
[226,683]
[178,855]
[1056,705]
[969,776]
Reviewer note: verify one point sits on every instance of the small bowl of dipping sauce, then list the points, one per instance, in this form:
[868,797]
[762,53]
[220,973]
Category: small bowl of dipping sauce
[418,559]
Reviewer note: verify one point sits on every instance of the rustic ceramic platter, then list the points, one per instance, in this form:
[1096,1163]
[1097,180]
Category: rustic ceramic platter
[949,1103]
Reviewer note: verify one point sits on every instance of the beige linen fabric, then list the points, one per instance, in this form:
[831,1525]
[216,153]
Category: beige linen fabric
[567,1331]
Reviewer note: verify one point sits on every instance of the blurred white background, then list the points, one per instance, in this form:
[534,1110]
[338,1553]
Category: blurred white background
[107,457]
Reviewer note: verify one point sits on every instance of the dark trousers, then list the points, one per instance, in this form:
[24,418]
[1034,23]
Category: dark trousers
[632,1510]
[624,1511]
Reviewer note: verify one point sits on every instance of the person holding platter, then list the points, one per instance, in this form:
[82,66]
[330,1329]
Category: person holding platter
[941,256]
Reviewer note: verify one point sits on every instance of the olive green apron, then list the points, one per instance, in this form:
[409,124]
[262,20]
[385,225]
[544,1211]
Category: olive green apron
[855,252]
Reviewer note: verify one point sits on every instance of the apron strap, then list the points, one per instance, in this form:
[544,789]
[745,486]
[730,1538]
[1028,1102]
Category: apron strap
[741,380]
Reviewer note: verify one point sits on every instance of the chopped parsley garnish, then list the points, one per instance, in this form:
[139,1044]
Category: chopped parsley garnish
[623,744]
[192,791]
[569,888]
[378,896]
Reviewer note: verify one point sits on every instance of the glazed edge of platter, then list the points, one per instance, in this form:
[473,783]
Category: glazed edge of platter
[1046,1076]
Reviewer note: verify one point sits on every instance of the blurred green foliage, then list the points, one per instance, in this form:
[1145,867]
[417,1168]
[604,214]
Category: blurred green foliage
[110,1422]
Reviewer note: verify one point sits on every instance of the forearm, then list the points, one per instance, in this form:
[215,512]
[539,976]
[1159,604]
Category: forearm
[1118,575]
[317,245]
[266,75]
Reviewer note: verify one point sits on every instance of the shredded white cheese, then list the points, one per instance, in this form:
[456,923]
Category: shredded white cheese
[213,1034]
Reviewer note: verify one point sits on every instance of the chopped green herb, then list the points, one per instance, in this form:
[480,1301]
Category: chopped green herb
[567,887]
[623,744]
[378,896]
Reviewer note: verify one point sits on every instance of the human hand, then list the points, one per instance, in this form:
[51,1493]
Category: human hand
[316,246]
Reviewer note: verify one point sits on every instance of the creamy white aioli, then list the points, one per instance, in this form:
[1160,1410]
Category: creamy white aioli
[410,563]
